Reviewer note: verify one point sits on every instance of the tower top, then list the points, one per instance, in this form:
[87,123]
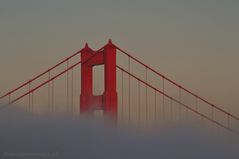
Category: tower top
[110,41]
[86,45]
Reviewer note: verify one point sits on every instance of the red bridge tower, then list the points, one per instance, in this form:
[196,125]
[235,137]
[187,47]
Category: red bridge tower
[108,101]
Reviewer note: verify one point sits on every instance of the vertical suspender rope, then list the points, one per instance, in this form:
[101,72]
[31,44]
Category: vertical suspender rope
[52,97]
[212,116]
[155,105]
[72,91]
[122,94]
[67,87]
[29,102]
[9,98]
[228,120]
[49,93]
[171,109]
[196,103]
[228,123]
[32,107]
[212,112]
[180,99]
[129,85]
[163,97]
[139,111]
[146,93]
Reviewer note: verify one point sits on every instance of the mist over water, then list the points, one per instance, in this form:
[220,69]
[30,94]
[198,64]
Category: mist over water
[24,135]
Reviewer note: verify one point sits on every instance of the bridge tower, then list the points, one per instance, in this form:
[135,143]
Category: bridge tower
[108,100]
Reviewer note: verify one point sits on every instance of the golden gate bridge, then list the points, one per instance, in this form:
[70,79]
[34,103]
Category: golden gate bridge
[133,91]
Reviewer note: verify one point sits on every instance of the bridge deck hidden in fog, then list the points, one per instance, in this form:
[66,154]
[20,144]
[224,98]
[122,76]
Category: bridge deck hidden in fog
[132,91]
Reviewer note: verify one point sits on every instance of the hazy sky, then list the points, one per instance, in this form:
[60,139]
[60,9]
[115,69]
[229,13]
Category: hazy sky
[195,42]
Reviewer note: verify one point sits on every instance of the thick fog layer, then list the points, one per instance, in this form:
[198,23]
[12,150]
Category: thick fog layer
[24,135]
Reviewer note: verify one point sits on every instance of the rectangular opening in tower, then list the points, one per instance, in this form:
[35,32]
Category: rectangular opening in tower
[98,80]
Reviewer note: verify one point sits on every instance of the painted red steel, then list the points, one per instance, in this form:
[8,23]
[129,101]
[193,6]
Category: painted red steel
[107,101]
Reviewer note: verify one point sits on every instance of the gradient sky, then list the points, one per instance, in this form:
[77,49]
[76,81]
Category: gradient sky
[194,42]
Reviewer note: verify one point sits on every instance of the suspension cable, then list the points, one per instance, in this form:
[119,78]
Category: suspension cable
[40,75]
[182,104]
[171,81]
[46,82]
